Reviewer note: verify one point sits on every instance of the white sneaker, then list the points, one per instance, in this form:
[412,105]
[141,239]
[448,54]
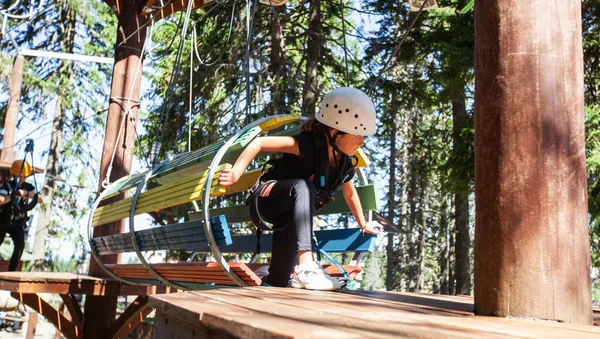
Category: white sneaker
[313,277]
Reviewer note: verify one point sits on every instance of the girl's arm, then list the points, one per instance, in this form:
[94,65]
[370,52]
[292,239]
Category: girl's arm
[353,201]
[229,177]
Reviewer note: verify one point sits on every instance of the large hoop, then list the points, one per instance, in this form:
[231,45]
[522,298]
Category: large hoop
[205,210]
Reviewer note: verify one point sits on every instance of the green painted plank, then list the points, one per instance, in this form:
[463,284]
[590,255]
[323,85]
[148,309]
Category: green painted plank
[197,160]
[368,200]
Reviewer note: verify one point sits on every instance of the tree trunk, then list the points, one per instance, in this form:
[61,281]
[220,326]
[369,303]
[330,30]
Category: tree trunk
[310,91]
[45,209]
[443,258]
[462,269]
[124,84]
[423,221]
[53,162]
[7,154]
[404,199]
[391,259]
[278,67]
[532,249]
[451,260]
[414,219]
[391,262]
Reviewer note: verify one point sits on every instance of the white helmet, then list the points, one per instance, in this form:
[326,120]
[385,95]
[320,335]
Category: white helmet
[348,110]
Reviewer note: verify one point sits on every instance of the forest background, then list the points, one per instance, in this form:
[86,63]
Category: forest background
[241,61]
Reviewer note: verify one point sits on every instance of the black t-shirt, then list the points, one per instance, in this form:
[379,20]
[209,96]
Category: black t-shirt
[304,166]
[5,210]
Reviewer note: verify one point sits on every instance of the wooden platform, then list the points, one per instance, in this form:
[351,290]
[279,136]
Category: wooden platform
[26,286]
[287,313]
[70,283]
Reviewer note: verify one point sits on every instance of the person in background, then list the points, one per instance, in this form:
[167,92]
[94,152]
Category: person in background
[17,198]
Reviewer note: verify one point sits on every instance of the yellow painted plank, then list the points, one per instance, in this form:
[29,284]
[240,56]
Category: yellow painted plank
[245,182]
[216,191]
[121,211]
[264,127]
[163,192]
[144,201]
[124,209]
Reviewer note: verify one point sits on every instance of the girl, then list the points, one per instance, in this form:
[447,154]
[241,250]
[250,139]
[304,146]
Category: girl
[299,183]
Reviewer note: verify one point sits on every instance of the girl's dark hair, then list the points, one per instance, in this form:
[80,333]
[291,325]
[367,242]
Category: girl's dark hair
[315,126]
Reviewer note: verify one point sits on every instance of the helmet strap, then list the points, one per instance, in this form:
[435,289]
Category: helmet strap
[335,149]
[332,143]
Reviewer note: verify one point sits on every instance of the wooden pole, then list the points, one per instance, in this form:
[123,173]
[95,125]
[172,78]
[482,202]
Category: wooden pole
[7,154]
[125,93]
[532,254]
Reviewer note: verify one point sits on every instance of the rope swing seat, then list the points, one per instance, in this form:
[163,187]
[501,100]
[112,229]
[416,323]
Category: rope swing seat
[192,177]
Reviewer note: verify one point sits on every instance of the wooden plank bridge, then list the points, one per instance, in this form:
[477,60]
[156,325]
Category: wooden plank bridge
[269,312]
[261,312]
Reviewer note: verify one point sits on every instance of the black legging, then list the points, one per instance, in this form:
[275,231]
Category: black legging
[17,234]
[290,208]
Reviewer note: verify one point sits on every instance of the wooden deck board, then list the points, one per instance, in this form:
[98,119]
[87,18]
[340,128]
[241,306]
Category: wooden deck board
[70,283]
[354,313]
[237,321]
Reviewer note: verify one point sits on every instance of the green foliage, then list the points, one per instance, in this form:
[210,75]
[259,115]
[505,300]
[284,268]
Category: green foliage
[374,272]
[591,54]
[416,98]
[63,89]
[592,125]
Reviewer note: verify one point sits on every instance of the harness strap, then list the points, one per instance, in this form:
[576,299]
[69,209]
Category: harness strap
[255,215]
[325,191]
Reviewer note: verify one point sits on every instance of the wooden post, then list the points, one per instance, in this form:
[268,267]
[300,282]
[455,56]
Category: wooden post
[532,254]
[127,74]
[7,154]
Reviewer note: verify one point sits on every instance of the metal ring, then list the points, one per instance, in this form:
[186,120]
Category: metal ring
[214,248]
[93,246]
[134,242]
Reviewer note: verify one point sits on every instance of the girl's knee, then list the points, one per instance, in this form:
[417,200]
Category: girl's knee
[305,187]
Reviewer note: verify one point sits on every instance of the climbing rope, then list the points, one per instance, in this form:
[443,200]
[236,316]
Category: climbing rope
[191,101]
[174,75]
[287,15]
[126,105]
[32,12]
[344,39]
[249,28]
[211,63]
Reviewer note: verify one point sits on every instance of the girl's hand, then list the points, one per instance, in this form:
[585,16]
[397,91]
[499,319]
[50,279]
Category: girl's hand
[372,227]
[228,177]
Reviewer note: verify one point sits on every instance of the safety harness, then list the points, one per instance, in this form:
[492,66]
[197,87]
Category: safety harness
[19,205]
[325,190]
